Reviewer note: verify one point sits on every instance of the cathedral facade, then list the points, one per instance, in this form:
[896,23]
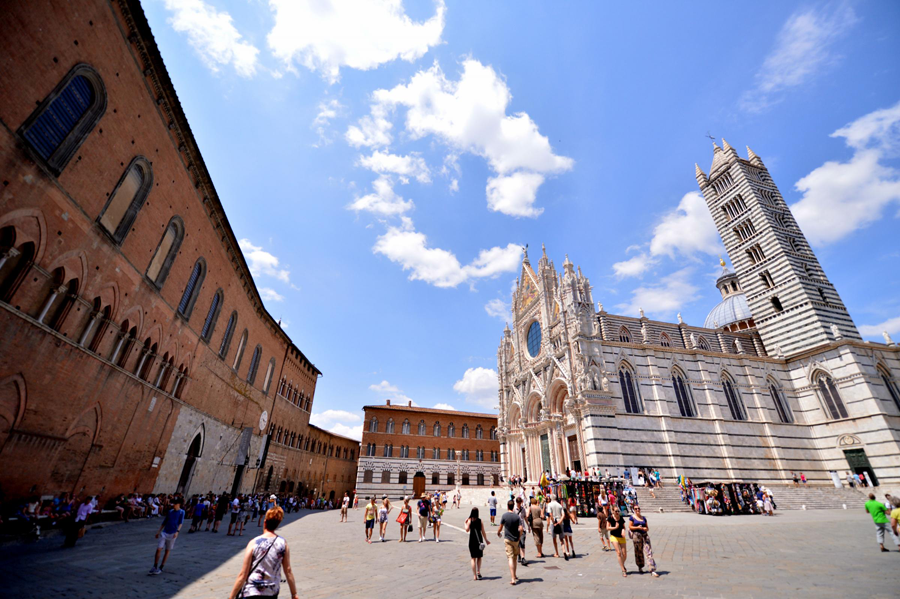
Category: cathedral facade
[778,378]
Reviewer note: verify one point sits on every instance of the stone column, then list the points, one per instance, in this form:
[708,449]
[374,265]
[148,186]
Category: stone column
[48,303]
[10,253]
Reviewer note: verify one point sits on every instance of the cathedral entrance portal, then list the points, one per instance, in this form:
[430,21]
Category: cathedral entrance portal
[574,454]
[859,464]
[545,452]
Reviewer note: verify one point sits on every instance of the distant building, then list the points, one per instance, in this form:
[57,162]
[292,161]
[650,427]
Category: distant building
[451,449]
[777,379]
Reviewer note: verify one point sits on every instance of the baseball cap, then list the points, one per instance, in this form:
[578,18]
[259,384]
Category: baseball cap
[273,498]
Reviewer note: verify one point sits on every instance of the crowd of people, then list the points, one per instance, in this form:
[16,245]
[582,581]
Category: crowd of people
[727,499]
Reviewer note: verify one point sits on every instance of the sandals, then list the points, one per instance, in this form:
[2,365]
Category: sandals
[478,576]
[655,575]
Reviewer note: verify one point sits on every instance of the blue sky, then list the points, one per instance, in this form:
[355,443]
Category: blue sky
[383,162]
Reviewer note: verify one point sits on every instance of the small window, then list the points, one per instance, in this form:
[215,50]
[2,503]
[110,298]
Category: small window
[126,199]
[166,252]
[451,479]
[404,429]
[624,335]
[534,339]
[781,407]
[451,430]
[766,279]
[465,431]
[254,364]
[465,480]
[61,123]
[209,325]
[385,477]
[435,454]
[389,427]
[479,432]
[451,454]
[776,303]
[401,480]
[435,478]
[240,351]
[422,427]
[373,425]
[436,429]
[733,397]
[822,296]
[480,479]
[192,289]
[664,340]
[703,344]
[367,476]
[683,395]
[229,332]
[629,391]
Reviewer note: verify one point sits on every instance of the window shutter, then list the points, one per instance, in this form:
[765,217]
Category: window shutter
[189,290]
[209,317]
[50,129]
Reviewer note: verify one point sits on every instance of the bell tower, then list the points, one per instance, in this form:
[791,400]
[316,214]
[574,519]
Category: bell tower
[794,305]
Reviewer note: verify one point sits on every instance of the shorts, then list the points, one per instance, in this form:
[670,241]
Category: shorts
[166,541]
[512,548]
[619,540]
[493,512]
[370,523]
[423,521]
[557,531]
[344,510]
[604,534]
[234,517]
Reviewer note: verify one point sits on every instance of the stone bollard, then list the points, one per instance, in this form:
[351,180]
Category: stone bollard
[803,507]
[845,506]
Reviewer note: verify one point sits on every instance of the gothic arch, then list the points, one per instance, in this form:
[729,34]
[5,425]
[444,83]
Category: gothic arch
[30,226]
[72,456]
[559,391]
[515,414]
[135,315]
[154,335]
[13,398]
[82,427]
[109,296]
[74,265]
[533,407]
[200,430]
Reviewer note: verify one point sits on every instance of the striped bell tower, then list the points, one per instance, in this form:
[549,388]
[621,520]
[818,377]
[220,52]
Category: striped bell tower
[794,305]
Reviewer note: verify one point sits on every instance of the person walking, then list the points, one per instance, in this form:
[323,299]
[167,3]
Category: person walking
[383,512]
[437,510]
[424,508]
[523,517]
[876,509]
[167,534]
[492,507]
[369,516]
[895,516]
[264,559]
[616,526]
[511,529]
[640,534]
[198,513]
[477,541]
[78,522]
[568,541]
[345,505]
[556,514]
[405,519]
[795,479]
[603,527]
[803,478]
[536,523]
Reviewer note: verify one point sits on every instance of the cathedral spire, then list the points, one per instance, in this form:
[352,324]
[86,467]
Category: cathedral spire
[754,159]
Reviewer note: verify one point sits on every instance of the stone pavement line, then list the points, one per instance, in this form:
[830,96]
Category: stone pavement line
[796,554]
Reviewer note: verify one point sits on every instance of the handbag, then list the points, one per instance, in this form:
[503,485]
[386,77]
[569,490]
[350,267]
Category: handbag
[409,528]
[402,517]
[481,543]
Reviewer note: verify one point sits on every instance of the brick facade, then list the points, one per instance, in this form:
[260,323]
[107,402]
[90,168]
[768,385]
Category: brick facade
[113,378]
[390,453]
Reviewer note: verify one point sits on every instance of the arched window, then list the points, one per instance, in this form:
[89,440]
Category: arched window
[630,393]
[683,394]
[465,431]
[422,427]
[831,398]
[192,289]
[270,371]
[166,252]
[891,386]
[209,325]
[389,426]
[436,431]
[15,262]
[493,433]
[126,199]
[664,340]
[229,333]
[624,335]
[254,364]
[63,120]
[240,351]
[479,432]
[373,425]
[703,343]
[451,430]
[781,406]
[405,427]
[733,397]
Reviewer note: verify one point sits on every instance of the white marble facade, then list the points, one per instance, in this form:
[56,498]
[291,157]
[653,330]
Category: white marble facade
[594,389]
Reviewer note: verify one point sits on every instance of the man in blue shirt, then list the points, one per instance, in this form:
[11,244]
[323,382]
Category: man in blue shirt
[169,530]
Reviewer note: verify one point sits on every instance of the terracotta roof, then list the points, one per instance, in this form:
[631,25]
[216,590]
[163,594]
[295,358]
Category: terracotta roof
[322,430]
[402,408]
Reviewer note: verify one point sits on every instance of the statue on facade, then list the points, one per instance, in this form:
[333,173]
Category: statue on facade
[595,382]
[738,346]
[887,338]
[693,341]
[836,332]
[679,319]
[604,383]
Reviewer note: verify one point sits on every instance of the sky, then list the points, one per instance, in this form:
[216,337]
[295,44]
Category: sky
[384,162]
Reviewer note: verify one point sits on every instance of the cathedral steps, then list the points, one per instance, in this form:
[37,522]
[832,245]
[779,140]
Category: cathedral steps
[786,498]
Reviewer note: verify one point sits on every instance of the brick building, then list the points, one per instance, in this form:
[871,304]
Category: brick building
[452,449]
[135,351]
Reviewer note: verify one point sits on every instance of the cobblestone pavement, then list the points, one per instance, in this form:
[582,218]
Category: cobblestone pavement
[829,553]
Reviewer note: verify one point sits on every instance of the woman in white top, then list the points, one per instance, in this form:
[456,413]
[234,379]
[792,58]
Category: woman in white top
[264,559]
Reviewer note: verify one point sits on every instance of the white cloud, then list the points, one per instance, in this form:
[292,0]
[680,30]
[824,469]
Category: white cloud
[328,110]
[515,194]
[842,197]
[686,231]
[374,130]
[469,115]
[454,185]
[340,422]
[213,36]
[803,50]
[891,325]
[270,295]
[324,36]
[383,200]
[479,386]
[498,309]
[384,387]
[409,248]
[665,298]
[444,406]
[262,262]
[412,165]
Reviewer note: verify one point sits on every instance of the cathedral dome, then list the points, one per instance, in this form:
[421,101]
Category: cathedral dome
[730,310]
